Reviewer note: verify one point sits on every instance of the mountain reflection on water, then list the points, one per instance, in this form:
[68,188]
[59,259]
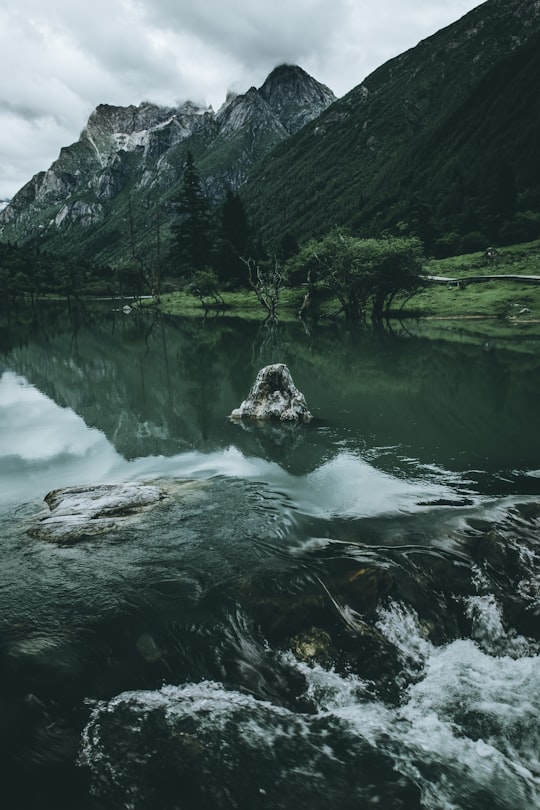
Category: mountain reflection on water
[346,614]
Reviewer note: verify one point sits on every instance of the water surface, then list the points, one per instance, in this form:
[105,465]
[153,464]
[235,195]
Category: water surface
[345,612]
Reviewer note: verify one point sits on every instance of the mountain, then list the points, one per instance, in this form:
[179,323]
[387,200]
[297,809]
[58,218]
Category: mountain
[105,194]
[440,141]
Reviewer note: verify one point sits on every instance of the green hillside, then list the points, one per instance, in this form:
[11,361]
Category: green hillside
[439,142]
[475,177]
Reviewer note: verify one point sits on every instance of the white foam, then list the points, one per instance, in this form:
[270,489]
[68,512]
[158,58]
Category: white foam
[346,486]
[488,628]
[350,487]
[468,725]
[466,731]
[402,628]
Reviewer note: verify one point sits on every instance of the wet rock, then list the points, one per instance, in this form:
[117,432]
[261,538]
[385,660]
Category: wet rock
[507,555]
[147,648]
[274,396]
[56,664]
[327,620]
[363,587]
[526,513]
[79,513]
[479,525]
[221,748]
[314,645]
[39,750]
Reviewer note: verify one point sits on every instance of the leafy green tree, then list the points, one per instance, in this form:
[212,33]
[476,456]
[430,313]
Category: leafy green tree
[26,273]
[360,272]
[334,262]
[192,240]
[396,267]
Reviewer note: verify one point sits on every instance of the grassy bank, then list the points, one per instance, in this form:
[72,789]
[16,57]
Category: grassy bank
[243,304]
[511,303]
[504,299]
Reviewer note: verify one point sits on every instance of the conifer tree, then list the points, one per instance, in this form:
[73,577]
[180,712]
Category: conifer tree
[192,240]
[233,241]
[234,224]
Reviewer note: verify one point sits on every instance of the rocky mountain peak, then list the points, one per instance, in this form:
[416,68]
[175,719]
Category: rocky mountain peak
[108,119]
[127,151]
[295,96]
[247,109]
[133,119]
[287,81]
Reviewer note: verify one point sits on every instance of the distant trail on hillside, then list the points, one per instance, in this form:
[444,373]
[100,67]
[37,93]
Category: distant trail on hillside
[469,279]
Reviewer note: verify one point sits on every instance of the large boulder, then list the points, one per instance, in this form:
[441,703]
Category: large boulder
[80,512]
[205,746]
[273,395]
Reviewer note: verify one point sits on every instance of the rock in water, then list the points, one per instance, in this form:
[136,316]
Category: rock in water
[273,395]
[79,513]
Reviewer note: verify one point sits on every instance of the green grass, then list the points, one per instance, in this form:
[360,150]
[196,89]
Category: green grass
[498,302]
[523,259]
[491,299]
[502,300]
[242,304]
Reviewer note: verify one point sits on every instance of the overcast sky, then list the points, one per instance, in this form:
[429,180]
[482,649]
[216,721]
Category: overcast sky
[59,59]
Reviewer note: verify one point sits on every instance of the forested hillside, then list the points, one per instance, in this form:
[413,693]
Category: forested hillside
[440,142]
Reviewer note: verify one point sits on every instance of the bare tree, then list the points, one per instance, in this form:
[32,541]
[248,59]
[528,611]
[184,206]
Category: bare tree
[266,283]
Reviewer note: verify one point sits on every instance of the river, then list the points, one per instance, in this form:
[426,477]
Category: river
[340,614]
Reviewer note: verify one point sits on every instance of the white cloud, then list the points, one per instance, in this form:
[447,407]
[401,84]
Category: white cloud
[60,59]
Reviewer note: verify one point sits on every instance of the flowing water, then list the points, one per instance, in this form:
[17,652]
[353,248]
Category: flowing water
[342,614]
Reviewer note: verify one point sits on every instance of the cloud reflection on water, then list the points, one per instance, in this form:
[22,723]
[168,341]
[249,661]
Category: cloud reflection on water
[44,446]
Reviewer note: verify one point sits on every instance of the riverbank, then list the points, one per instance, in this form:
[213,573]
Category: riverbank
[454,294]
[507,302]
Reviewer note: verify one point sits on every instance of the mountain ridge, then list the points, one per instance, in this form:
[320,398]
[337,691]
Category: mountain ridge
[125,154]
[343,160]
[428,144]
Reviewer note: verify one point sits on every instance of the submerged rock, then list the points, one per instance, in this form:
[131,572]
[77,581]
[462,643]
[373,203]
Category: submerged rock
[220,748]
[77,513]
[314,645]
[273,395]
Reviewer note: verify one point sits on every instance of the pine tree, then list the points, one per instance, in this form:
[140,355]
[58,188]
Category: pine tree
[192,240]
[234,224]
[233,242]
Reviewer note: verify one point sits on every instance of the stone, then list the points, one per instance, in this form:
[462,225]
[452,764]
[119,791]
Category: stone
[78,513]
[216,747]
[314,646]
[274,396]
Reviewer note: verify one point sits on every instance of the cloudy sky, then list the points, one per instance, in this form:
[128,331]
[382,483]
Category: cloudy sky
[59,59]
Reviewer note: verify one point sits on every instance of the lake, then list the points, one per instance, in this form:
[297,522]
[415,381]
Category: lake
[343,613]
